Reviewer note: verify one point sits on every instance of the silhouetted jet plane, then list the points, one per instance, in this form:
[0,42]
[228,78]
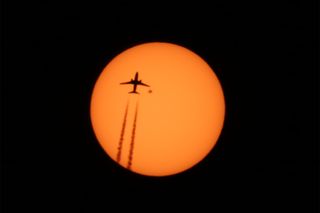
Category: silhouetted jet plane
[135,83]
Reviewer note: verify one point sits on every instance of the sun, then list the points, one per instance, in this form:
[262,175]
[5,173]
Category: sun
[157,109]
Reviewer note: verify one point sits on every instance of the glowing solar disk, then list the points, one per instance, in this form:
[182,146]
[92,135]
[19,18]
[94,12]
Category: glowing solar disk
[169,126]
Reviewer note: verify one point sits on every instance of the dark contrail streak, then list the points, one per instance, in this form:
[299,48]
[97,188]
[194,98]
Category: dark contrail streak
[122,133]
[132,137]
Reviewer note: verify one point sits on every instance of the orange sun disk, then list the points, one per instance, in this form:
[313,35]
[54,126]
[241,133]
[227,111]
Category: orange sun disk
[178,118]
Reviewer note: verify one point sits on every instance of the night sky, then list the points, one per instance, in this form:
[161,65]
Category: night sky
[265,56]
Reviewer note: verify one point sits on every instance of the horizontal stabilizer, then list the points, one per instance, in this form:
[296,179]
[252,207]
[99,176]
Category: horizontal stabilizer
[134,92]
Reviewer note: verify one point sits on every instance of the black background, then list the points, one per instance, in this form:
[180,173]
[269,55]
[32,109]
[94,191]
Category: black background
[265,56]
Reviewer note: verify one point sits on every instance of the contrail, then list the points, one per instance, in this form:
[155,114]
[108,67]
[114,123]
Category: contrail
[133,136]
[122,133]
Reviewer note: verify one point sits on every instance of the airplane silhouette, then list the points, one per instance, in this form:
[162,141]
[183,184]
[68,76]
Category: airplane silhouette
[135,83]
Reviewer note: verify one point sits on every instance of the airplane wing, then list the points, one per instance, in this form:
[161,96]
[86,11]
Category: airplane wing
[143,84]
[129,82]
